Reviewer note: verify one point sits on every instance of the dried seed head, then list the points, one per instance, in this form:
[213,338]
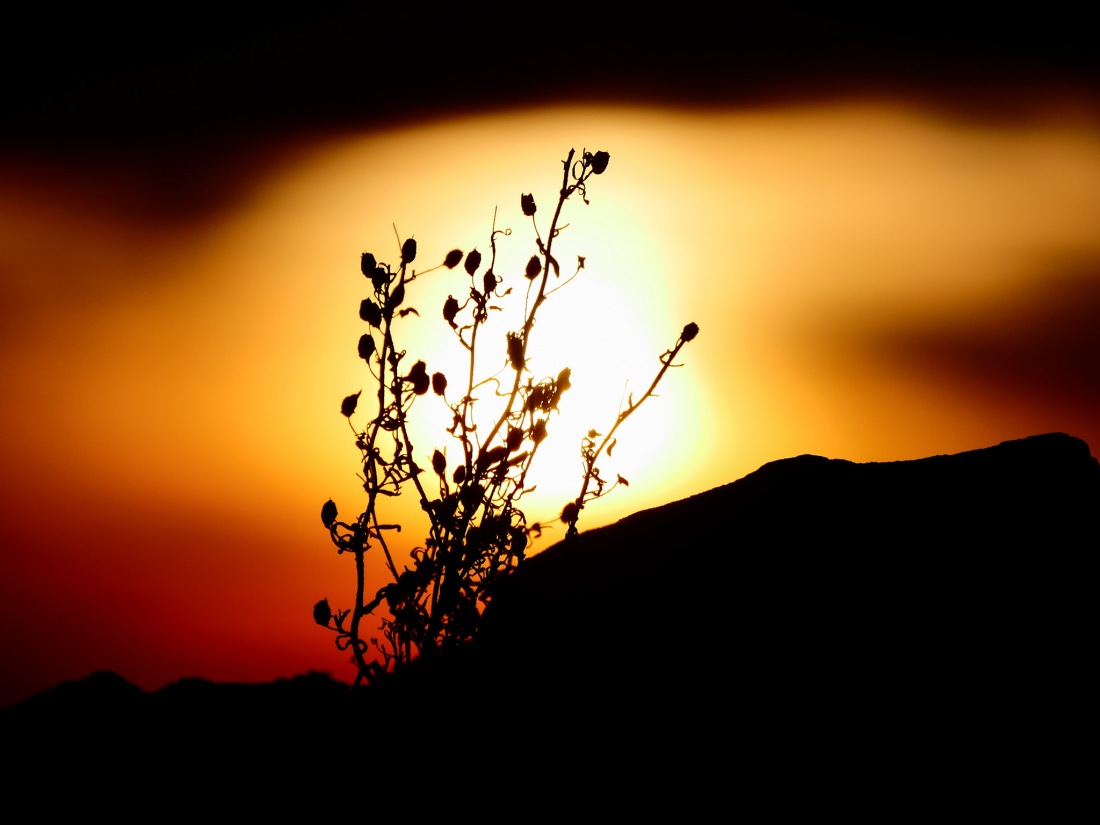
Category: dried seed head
[473,261]
[515,350]
[453,258]
[367,264]
[322,613]
[599,162]
[418,375]
[690,331]
[347,406]
[439,383]
[527,204]
[370,312]
[366,346]
[328,513]
[408,251]
[534,267]
[570,513]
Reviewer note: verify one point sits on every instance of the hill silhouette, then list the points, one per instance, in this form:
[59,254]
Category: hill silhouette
[903,625]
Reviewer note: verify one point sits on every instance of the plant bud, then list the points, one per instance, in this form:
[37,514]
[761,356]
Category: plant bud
[599,162]
[460,474]
[473,261]
[328,513]
[366,346]
[527,204]
[347,406]
[689,333]
[370,312]
[489,282]
[534,267]
[367,263]
[439,463]
[439,383]
[322,613]
[570,513]
[408,251]
[453,258]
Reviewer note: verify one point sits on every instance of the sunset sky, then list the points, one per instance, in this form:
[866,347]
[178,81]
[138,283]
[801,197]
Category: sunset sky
[880,270]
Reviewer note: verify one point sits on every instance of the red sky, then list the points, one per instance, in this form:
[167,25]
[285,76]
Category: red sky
[877,275]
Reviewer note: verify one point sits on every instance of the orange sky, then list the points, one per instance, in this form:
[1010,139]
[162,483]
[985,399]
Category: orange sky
[874,279]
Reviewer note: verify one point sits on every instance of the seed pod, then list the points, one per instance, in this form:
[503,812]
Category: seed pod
[599,162]
[489,282]
[460,474]
[450,310]
[515,439]
[538,432]
[347,406]
[690,331]
[439,463]
[418,375]
[408,251]
[527,204]
[534,267]
[328,513]
[370,312]
[379,279]
[367,263]
[570,513]
[473,261]
[453,258]
[366,346]
[515,350]
[439,383]
[322,613]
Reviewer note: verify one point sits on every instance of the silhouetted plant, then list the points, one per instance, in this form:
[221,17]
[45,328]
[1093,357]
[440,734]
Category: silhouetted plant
[476,532]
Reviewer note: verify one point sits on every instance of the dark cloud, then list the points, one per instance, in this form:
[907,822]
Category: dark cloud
[91,78]
[1042,342]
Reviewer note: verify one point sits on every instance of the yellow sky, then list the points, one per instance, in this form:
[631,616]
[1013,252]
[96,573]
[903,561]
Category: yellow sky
[859,271]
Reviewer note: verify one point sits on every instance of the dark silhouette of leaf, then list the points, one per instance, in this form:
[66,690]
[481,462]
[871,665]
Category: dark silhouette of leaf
[328,513]
[453,258]
[396,298]
[347,406]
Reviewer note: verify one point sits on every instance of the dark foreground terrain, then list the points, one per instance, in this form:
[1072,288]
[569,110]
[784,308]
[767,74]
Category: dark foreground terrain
[819,634]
